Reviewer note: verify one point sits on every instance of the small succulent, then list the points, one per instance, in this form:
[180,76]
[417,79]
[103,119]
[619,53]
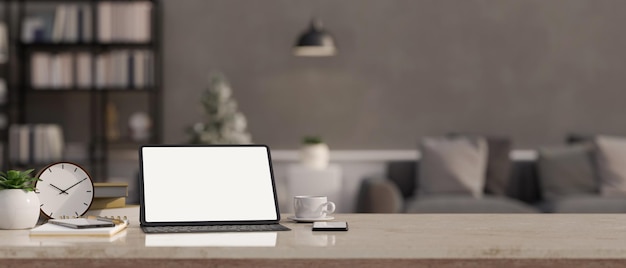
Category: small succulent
[312,140]
[15,179]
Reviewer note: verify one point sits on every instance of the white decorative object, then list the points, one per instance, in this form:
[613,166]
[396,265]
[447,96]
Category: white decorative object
[224,123]
[19,209]
[140,124]
[315,156]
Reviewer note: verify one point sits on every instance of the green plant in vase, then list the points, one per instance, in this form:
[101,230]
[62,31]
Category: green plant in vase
[308,140]
[314,152]
[15,179]
[19,204]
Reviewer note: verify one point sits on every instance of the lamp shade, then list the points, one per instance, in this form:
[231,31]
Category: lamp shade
[315,42]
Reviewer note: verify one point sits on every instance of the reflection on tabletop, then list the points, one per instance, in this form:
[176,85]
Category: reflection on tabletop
[260,239]
[21,238]
[312,239]
[251,239]
[66,240]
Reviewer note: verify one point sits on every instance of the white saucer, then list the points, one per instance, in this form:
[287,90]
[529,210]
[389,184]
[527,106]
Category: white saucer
[293,218]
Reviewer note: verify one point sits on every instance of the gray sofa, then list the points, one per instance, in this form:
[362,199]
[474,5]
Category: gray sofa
[396,194]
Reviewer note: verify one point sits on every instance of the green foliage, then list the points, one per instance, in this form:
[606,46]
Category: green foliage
[15,179]
[312,140]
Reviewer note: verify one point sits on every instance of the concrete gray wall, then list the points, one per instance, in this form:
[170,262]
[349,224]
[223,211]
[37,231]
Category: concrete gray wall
[533,70]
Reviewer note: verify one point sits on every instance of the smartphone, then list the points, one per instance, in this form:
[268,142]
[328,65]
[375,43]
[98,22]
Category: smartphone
[330,226]
[81,223]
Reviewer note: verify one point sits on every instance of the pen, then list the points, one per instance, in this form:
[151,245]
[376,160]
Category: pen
[116,221]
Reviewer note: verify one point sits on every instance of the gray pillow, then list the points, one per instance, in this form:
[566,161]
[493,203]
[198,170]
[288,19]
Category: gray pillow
[566,171]
[499,164]
[452,166]
[611,161]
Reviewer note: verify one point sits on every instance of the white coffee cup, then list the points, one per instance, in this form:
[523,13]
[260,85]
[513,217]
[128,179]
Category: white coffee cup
[312,207]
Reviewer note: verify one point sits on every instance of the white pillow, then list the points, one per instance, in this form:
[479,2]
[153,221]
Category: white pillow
[611,161]
[452,165]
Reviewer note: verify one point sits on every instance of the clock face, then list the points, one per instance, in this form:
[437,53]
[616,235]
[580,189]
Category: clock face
[65,189]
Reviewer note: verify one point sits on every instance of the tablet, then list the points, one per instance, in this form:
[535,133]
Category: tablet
[81,223]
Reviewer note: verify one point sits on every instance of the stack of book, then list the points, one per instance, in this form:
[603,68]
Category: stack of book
[128,21]
[109,195]
[119,68]
[67,23]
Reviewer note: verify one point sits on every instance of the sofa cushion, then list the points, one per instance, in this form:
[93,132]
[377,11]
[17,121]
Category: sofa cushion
[379,196]
[402,173]
[453,165]
[586,204]
[566,171]
[467,204]
[499,165]
[611,159]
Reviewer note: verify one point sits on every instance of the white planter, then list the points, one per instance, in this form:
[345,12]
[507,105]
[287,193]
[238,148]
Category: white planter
[18,209]
[315,156]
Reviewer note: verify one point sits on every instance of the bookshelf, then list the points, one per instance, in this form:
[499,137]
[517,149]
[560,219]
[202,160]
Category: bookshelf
[5,80]
[88,66]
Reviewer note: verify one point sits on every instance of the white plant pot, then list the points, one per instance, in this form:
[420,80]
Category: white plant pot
[18,209]
[315,156]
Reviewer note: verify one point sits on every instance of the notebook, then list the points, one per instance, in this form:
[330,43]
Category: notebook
[207,188]
[49,229]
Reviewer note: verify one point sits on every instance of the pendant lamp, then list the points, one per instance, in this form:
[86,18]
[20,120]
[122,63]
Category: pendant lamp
[315,42]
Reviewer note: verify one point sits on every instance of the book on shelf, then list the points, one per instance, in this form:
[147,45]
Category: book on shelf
[73,23]
[108,202]
[110,189]
[70,35]
[52,70]
[66,23]
[123,68]
[35,143]
[124,21]
[40,69]
[4,43]
[83,70]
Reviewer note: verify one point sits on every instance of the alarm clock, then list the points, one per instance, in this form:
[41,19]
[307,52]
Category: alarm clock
[65,190]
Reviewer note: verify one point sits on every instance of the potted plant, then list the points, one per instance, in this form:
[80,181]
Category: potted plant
[314,152]
[19,204]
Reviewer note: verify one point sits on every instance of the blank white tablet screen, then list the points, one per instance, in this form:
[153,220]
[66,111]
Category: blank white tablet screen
[207,183]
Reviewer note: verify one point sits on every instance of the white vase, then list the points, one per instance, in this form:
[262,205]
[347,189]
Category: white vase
[315,156]
[18,209]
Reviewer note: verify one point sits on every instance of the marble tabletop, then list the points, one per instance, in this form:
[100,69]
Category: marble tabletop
[375,239]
